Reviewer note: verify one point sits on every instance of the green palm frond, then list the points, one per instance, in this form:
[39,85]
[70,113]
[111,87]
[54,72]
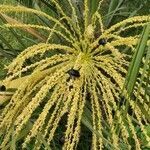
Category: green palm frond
[81,62]
[27,3]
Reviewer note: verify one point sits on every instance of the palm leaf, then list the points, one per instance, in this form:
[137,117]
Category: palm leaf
[69,75]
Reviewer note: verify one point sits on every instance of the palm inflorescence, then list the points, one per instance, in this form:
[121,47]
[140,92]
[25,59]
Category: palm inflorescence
[81,64]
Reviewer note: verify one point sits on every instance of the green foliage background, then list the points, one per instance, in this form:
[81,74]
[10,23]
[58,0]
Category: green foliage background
[12,43]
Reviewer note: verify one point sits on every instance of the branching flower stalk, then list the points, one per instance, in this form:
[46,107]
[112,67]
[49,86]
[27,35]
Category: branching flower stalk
[83,68]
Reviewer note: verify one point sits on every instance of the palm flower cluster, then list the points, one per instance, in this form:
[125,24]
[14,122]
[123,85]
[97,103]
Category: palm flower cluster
[86,67]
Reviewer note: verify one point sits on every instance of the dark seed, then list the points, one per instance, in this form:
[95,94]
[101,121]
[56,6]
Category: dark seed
[102,42]
[74,73]
[2,88]
[68,80]
[70,87]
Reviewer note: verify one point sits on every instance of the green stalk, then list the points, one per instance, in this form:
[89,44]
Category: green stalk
[14,33]
[136,61]
[113,7]
[87,121]
[94,5]
[5,42]
[135,66]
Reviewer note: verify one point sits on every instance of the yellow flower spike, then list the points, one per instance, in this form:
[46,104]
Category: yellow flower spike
[62,111]
[50,83]
[53,29]
[130,41]
[72,114]
[131,127]
[111,99]
[99,115]
[21,9]
[80,111]
[86,13]
[56,116]
[67,73]
[9,115]
[55,98]
[76,29]
[135,20]
[5,97]
[131,26]
[13,103]
[138,114]
[89,33]
[123,128]
[94,136]
[39,27]
[116,27]
[74,17]
[99,17]
[18,63]
[79,61]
